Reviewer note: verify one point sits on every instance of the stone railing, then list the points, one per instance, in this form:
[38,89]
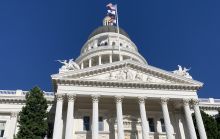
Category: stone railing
[7,92]
[209,101]
[18,96]
[20,92]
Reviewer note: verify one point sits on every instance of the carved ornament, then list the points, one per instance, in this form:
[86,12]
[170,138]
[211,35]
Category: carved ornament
[119,99]
[164,100]
[71,97]
[195,101]
[186,101]
[141,100]
[59,97]
[95,98]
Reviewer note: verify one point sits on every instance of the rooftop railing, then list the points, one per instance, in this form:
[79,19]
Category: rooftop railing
[20,92]
[209,100]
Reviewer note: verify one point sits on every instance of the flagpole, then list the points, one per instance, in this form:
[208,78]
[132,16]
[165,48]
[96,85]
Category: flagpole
[119,49]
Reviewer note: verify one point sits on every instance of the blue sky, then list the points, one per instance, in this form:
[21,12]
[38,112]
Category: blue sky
[33,34]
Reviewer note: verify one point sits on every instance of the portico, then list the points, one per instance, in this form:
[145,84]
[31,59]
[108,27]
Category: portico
[118,102]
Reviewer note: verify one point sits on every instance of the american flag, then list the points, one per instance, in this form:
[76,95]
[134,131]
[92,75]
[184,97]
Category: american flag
[111,12]
[111,6]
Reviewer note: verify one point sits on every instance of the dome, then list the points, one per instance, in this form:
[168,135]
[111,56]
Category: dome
[104,29]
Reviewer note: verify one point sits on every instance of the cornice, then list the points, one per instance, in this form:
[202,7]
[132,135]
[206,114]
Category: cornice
[119,84]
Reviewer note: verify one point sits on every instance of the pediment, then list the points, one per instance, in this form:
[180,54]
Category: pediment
[127,72]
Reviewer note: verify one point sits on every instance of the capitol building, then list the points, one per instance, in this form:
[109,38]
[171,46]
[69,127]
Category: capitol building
[111,92]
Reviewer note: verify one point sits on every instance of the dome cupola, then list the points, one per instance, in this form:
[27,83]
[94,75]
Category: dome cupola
[108,44]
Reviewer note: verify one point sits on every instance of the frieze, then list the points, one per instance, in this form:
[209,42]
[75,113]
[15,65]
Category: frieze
[132,75]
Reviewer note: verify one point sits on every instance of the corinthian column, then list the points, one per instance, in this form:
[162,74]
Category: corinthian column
[120,126]
[166,118]
[199,121]
[13,124]
[144,122]
[70,117]
[95,117]
[57,132]
[189,120]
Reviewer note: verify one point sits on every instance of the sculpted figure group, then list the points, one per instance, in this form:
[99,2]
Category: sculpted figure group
[182,72]
[69,65]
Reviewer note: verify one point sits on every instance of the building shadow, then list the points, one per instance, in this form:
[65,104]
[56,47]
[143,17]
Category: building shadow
[51,118]
[111,123]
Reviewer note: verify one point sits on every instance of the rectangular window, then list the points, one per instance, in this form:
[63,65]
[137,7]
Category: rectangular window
[2,128]
[86,123]
[101,124]
[162,125]
[151,124]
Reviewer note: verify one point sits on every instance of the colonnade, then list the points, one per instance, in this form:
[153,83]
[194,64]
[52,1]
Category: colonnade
[57,133]
[100,60]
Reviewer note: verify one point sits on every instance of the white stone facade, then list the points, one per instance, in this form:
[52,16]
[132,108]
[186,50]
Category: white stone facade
[13,100]
[110,92]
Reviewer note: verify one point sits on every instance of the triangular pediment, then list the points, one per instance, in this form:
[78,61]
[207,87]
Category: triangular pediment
[125,72]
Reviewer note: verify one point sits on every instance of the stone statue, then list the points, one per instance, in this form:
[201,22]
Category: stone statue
[111,77]
[139,76]
[69,65]
[120,76]
[129,75]
[182,72]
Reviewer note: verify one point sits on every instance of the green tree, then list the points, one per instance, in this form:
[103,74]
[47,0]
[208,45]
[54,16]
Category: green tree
[33,117]
[210,126]
[218,123]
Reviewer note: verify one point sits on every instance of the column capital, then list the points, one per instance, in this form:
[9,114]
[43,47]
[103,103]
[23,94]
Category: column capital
[141,99]
[186,101]
[164,100]
[59,97]
[195,101]
[14,114]
[71,97]
[119,98]
[95,98]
